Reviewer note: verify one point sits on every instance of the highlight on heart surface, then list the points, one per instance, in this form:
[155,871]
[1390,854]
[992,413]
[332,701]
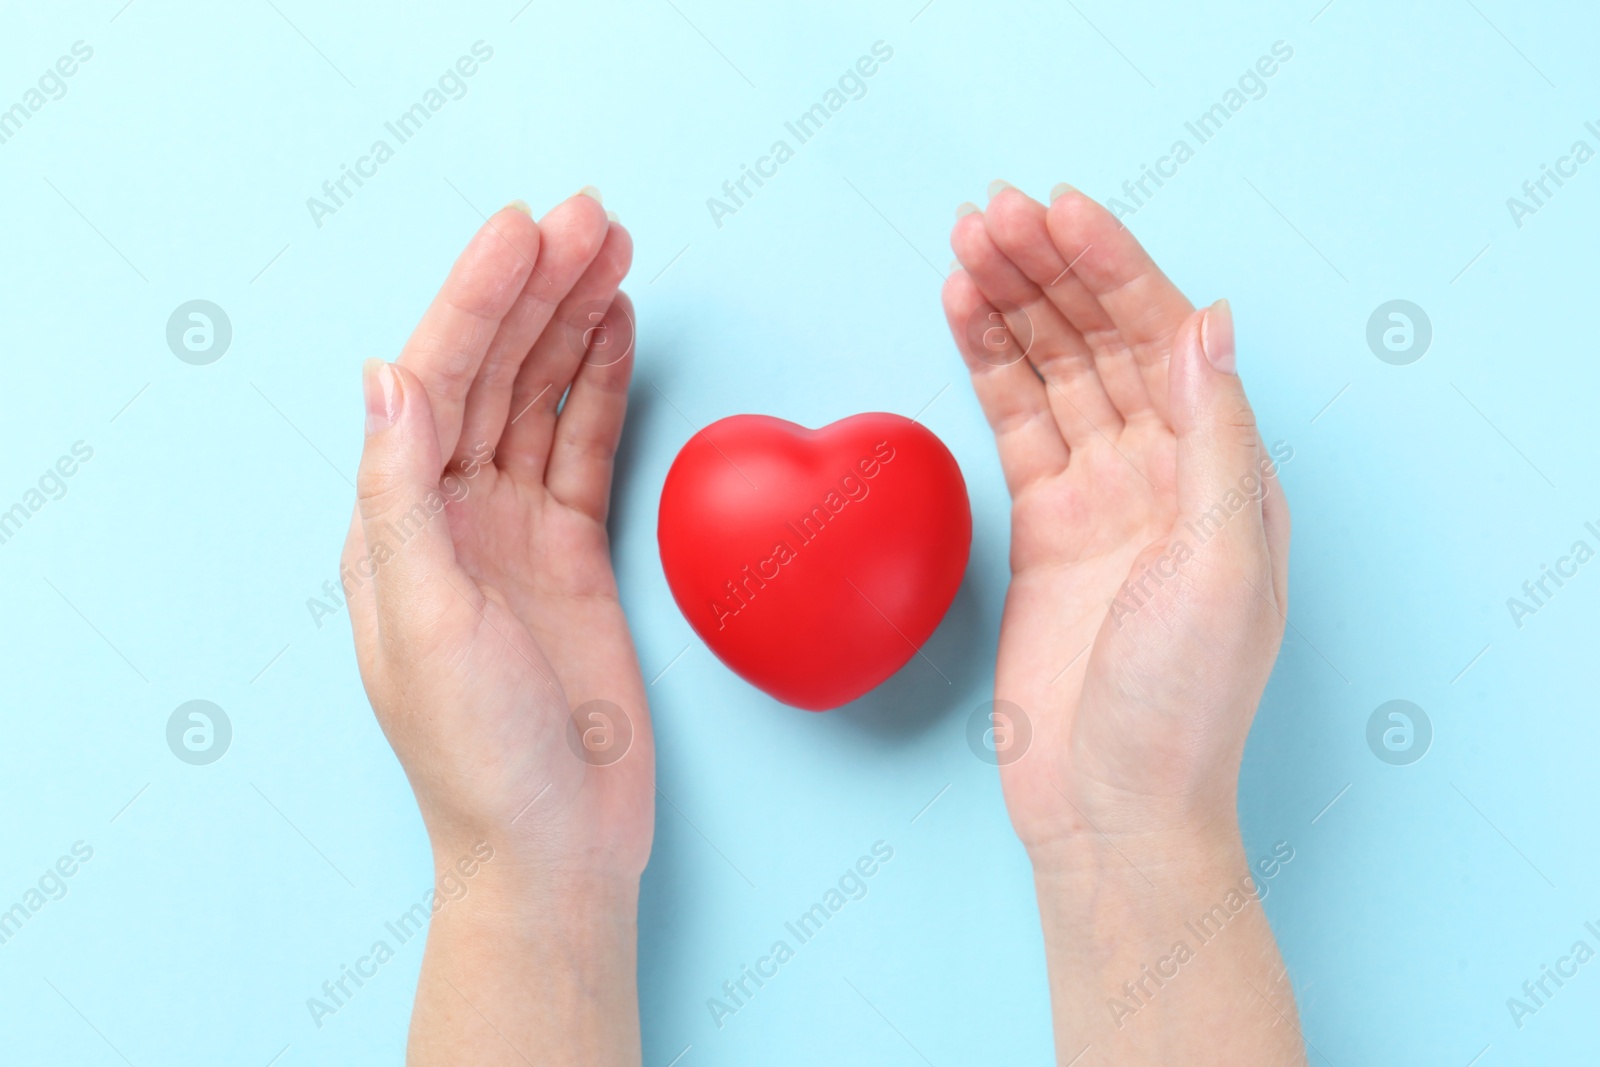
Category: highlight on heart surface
[814,563]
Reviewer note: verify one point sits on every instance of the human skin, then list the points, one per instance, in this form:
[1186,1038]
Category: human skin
[491,612]
[1135,648]
[496,614]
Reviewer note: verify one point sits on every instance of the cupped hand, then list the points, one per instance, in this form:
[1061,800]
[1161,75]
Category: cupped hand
[478,566]
[1149,543]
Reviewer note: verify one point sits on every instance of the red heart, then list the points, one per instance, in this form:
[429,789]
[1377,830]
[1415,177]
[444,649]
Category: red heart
[814,563]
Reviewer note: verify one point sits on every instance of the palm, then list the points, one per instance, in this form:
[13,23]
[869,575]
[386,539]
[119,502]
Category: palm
[1089,456]
[552,564]
[533,638]
[539,551]
[1077,539]
[1113,496]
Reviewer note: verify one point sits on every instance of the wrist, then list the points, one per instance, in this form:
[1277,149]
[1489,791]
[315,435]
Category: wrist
[503,884]
[1156,866]
[1172,921]
[549,953]
[1099,836]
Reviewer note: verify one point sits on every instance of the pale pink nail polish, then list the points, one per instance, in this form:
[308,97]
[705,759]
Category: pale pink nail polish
[1216,336]
[381,388]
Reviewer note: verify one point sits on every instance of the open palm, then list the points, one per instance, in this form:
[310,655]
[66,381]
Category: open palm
[494,614]
[1123,628]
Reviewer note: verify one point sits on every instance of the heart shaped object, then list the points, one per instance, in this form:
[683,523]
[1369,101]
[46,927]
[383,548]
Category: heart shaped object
[814,563]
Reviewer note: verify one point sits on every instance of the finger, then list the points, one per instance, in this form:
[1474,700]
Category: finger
[417,582]
[1217,442]
[1079,401]
[556,355]
[449,344]
[590,425]
[1275,516]
[1009,391]
[1111,271]
[1016,222]
[571,235]
[356,572]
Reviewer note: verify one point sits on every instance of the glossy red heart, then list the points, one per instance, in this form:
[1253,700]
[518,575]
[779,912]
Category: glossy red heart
[814,563]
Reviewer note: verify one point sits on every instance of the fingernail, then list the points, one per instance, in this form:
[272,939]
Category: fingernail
[592,192]
[955,265]
[1216,336]
[381,387]
[965,208]
[611,216]
[997,185]
[1061,189]
[522,206]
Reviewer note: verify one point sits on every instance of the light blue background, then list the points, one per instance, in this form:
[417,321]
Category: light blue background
[177,166]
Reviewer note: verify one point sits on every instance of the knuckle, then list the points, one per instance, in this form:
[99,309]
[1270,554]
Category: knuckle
[485,290]
[1235,422]
[379,489]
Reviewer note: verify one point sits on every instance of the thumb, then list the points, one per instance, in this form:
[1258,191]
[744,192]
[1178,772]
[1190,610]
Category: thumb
[409,550]
[1220,480]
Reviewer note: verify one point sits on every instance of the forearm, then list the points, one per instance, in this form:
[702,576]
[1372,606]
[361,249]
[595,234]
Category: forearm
[1159,954]
[527,968]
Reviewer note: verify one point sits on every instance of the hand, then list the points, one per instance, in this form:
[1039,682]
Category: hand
[485,610]
[1149,555]
[1149,545]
